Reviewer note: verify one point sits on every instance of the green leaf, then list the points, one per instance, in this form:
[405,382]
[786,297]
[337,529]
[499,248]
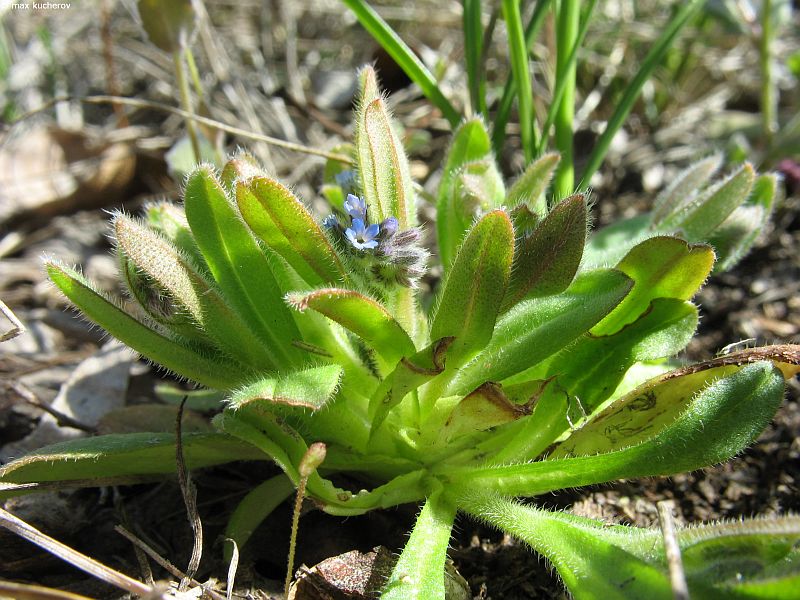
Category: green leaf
[737,234]
[470,144]
[744,555]
[256,506]
[593,369]
[583,552]
[473,290]
[169,25]
[281,221]
[529,188]
[419,572]
[661,267]
[170,221]
[383,166]
[239,266]
[486,407]
[722,419]
[585,374]
[198,400]
[362,315]
[537,328]
[753,558]
[156,257]
[409,374]
[610,244]
[699,218]
[643,412]
[120,455]
[155,346]
[684,188]
[546,261]
[307,389]
[476,189]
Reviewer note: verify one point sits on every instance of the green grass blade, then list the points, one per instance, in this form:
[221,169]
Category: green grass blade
[510,89]
[561,82]
[473,49]
[568,17]
[625,105]
[518,54]
[403,56]
[158,348]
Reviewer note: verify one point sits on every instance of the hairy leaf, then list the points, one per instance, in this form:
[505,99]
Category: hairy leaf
[362,315]
[239,266]
[120,455]
[307,389]
[661,267]
[277,217]
[155,346]
[473,290]
[546,261]
[537,328]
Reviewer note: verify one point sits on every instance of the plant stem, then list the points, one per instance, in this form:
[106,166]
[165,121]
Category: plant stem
[768,98]
[186,102]
[568,21]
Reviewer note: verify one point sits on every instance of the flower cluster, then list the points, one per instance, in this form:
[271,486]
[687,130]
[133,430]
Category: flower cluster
[398,255]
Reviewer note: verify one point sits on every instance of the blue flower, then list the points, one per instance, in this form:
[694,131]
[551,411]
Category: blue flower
[356,208]
[361,236]
[389,228]
[330,222]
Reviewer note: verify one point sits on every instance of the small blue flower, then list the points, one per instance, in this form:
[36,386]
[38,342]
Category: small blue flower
[362,237]
[356,207]
[330,222]
[389,228]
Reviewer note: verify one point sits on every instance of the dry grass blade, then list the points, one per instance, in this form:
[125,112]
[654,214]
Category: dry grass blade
[232,568]
[161,561]
[23,591]
[73,557]
[677,577]
[189,493]
[16,325]
[62,420]
[137,103]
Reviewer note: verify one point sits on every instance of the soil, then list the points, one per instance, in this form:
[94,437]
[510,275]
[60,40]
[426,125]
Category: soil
[251,85]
